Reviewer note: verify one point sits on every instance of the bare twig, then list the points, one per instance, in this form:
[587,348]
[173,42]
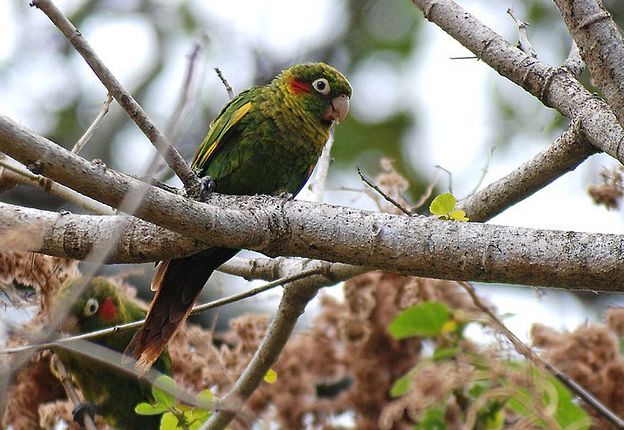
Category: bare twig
[564,155]
[484,171]
[427,193]
[296,296]
[523,39]
[225,82]
[574,63]
[368,181]
[317,184]
[125,100]
[315,270]
[18,173]
[70,389]
[528,353]
[601,45]
[555,87]
[96,122]
[184,99]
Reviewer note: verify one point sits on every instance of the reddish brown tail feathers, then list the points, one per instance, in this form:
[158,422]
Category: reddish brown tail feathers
[178,284]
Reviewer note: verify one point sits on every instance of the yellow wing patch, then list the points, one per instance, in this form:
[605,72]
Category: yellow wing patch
[202,157]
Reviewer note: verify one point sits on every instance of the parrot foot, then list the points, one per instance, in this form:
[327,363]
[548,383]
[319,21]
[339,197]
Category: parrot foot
[286,196]
[83,410]
[208,185]
[159,184]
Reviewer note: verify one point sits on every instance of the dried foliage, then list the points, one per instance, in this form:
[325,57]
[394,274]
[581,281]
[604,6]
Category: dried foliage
[44,273]
[590,355]
[610,190]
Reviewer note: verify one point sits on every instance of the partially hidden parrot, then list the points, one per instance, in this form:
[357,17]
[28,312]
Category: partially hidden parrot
[112,392]
[267,140]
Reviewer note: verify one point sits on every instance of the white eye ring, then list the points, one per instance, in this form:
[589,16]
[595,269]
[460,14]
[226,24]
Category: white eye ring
[322,86]
[91,307]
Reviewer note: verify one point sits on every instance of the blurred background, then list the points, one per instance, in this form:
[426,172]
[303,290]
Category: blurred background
[414,102]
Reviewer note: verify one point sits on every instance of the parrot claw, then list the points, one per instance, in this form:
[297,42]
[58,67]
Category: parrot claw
[82,410]
[208,185]
[158,184]
[286,196]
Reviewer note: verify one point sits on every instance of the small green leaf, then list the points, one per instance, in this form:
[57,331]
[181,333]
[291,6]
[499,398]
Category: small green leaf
[444,353]
[423,319]
[401,385]
[432,419]
[147,409]
[458,215]
[169,422]
[204,399]
[161,396]
[443,204]
[270,377]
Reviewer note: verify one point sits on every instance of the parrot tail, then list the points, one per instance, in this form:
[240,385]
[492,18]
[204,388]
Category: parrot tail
[177,284]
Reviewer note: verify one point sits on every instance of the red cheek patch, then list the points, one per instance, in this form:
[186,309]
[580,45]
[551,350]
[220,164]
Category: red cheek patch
[108,310]
[299,87]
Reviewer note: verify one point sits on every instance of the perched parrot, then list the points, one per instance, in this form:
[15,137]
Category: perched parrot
[111,392]
[267,140]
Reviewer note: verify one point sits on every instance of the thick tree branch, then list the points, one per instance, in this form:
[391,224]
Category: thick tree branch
[601,46]
[555,87]
[564,155]
[125,100]
[409,245]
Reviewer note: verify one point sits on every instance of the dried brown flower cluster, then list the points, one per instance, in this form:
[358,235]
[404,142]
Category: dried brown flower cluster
[44,273]
[609,192]
[591,356]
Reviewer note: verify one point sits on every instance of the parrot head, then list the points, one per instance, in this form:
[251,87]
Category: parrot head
[323,90]
[100,306]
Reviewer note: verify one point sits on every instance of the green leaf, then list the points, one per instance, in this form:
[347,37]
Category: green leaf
[270,377]
[432,419]
[423,319]
[204,399]
[169,422]
[458,215]
[147,409]
[401,385]
[161,396]
[444,353]
[443,204]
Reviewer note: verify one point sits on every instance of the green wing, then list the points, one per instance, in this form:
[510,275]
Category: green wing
[222,129]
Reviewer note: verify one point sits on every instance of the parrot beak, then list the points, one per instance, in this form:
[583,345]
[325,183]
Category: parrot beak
[338,109]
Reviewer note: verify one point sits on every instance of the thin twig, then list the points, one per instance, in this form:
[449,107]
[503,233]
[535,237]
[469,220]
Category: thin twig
[523,39]
[574,63]
[18,173]
[449,175]
[197,309]
[484,171]
[125,100]
[368,181]
[428,191]
[96,122]
[171,130]
[317,184]
[70,389]
[228,88]
[528,353]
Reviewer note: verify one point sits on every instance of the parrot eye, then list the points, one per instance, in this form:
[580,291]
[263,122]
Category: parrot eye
[91,307]
[322,86]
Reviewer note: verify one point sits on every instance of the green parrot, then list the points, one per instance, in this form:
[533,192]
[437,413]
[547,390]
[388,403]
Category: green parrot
[267,140]
[112,393]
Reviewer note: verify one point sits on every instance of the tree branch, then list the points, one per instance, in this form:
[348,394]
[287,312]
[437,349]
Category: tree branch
[564,155]
[601,46]
[274,226]
[125,100]
[555,87]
